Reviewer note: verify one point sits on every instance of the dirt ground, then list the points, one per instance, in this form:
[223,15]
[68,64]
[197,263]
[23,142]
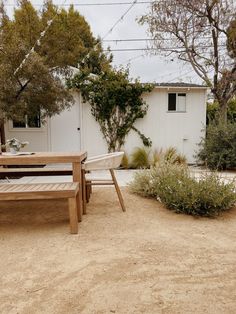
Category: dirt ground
[147,260]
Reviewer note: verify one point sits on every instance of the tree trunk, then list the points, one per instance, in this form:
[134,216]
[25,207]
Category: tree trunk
[114,146]
[2,134]
[223,111]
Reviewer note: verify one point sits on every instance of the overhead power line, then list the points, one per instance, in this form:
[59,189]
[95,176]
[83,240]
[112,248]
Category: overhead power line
[42,34]
[113,26]
[120,19]
[90,4]
[180,76]
[139,39]
[163,49]
[38,41]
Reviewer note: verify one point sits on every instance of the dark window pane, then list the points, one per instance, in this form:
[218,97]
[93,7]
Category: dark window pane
[18,124]
[182,94]
[171,102]
[34,121]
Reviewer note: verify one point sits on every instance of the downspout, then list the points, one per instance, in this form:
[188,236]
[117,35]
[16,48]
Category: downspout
[81,122]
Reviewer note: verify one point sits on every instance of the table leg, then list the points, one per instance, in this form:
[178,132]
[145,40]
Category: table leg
[77,177]
[84,191]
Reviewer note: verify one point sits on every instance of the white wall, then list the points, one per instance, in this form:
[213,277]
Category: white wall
[59,133]
[37,138]
[181,130]
[64,133]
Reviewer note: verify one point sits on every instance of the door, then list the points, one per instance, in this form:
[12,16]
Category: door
[65,130]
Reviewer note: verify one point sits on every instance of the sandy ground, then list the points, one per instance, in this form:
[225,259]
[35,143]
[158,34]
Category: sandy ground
[147,260]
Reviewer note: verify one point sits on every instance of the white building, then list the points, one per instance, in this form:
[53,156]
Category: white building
[176,117]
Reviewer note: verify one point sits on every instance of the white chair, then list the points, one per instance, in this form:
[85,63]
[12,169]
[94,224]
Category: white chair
[101,162]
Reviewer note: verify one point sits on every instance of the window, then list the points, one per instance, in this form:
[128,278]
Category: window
[177,102]
[30,121]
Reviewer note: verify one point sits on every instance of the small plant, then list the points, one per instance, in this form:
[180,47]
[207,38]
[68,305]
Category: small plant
[143,158]
[170,155]
[125,162]
[140,158]
[15,145]
[173,185]
[157,157]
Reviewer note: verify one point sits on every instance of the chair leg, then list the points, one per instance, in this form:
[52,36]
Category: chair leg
[118,190]
[73,215]
[88,190]
[84,192]
[79,210]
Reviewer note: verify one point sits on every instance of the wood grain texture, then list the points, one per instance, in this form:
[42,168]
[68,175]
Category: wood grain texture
[43,158]
[36,191]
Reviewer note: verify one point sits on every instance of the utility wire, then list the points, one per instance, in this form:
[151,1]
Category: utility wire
[38,41]
[112,28]
[42,34]
[179,76]
[120,19]
[140,39]
[90,4]
[151,49]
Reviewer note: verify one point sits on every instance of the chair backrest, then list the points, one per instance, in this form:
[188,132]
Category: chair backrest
[104,162]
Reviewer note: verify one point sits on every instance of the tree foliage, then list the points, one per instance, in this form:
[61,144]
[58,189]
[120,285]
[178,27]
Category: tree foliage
[38,85]
[213,111]
[115,101]
[231,38]
[196,32]
[218,149]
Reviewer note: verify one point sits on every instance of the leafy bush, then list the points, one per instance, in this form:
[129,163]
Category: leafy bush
[218,149]
[173,185]
[140,158]
[144,183]
[213,111]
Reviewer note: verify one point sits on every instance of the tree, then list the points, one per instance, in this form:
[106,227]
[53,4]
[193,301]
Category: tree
[38,85]
[196,32]
[231,39]
[116,103]
[213,111]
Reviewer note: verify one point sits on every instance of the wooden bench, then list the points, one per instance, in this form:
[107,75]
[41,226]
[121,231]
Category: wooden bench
[37,171]
[68,190]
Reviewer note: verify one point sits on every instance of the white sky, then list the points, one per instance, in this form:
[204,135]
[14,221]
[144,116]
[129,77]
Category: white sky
[102,18]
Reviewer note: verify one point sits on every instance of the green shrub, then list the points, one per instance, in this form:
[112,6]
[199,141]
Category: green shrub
[213,111]
[218,149]
[144,183]
[173,185]
[140,158]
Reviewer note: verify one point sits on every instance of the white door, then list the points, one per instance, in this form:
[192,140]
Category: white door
[65,131]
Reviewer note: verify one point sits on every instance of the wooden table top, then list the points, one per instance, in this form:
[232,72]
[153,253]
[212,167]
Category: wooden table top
[43,158]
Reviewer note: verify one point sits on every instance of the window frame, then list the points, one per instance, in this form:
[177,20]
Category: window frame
[177,94]
[27,128]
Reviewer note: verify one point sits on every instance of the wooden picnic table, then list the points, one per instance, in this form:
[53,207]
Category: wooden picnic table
[37,158]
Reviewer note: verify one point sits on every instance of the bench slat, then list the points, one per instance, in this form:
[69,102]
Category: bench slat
[42,169]
[23,172]
[38,190]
